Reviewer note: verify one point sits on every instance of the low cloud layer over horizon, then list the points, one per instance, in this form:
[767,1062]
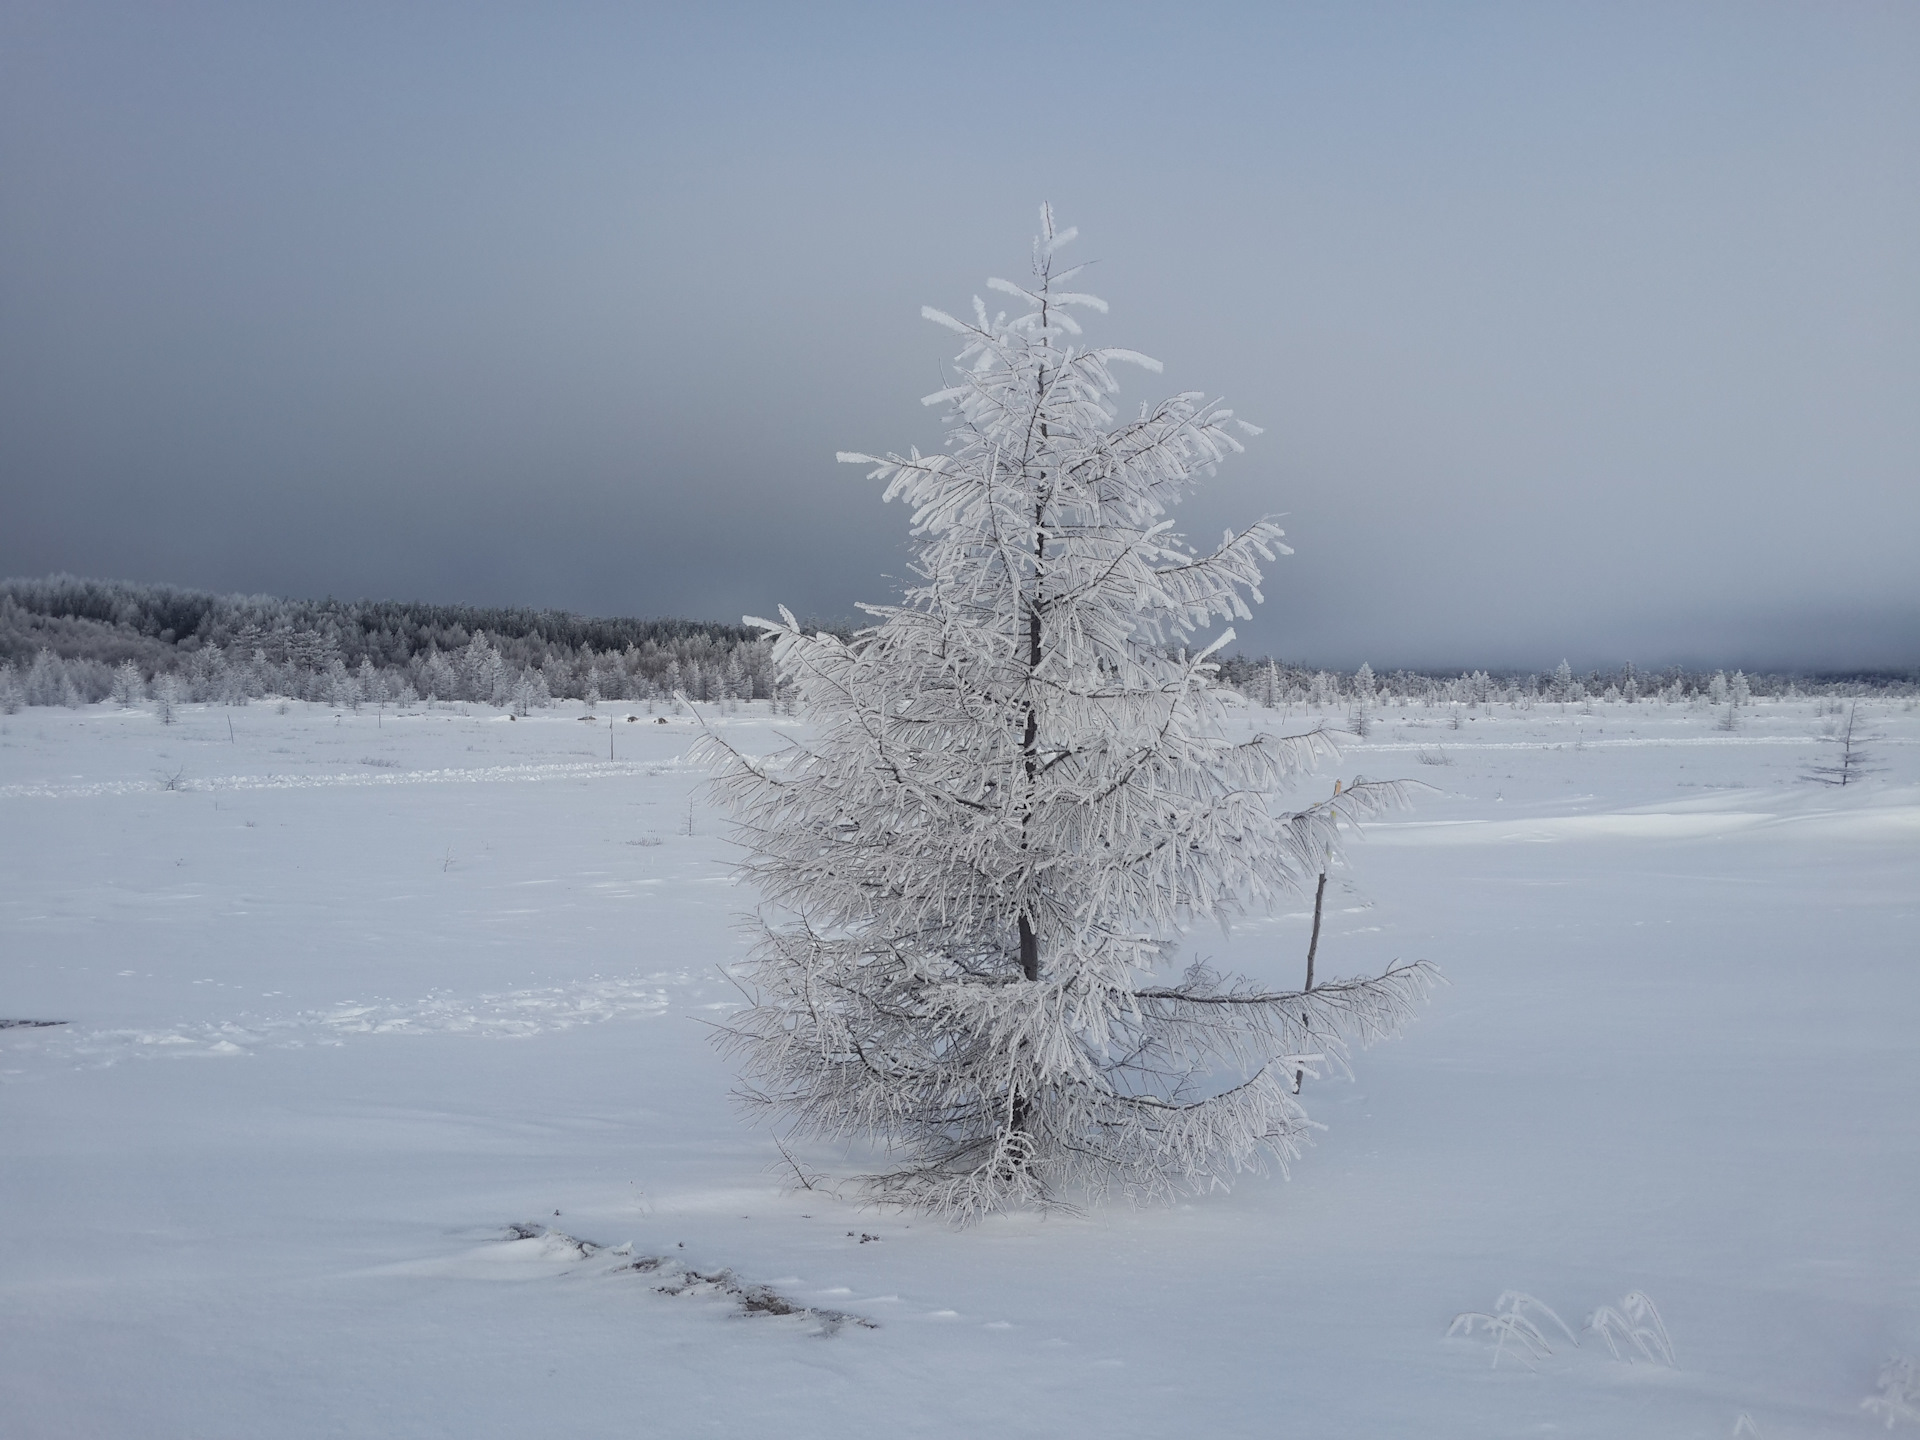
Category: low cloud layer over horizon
[1580,330]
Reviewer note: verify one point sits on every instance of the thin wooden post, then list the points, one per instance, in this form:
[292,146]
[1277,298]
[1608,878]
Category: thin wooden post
[1313,945]
[1313,949]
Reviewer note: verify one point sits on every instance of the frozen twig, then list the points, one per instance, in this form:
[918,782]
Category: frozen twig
[1899,1387]
[1634,1324]
[1512,1327]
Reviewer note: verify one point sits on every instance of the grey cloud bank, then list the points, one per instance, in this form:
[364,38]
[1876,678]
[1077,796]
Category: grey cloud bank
[1590,331]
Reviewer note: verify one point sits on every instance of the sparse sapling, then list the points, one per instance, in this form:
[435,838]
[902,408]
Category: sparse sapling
[1848,761]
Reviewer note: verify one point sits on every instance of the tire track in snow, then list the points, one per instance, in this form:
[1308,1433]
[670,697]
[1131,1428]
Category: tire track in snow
[1880,823]
[1350,746]
[508,1014]
[490,774]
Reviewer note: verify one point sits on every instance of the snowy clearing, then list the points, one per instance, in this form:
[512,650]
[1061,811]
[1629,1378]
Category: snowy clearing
[347,998]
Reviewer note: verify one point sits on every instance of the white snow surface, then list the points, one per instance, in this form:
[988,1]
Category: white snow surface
[360,993]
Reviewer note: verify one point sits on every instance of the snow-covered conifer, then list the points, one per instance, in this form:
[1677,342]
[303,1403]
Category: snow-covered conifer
[168,691]
[46,681]
[336,686]
[439,678]
[481,670]
[529,692]
[1362,721]
[738,687]
[1017,791]
[1849,761]
[128,687]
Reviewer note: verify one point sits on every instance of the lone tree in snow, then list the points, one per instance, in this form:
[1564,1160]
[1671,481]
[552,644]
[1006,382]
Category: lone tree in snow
[1017,791]
[1849,761]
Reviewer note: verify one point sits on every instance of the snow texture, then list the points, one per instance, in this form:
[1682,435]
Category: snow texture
[1677,1057]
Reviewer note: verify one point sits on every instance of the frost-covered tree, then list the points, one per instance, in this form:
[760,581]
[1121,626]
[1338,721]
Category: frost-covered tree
[1362,722]
[336,686]
[529,693]
[1019,788]
[168,692]
[483,673]
[1734,693]
[47,682]
[440,678]
[129,688]
[1849,761]
[736,683]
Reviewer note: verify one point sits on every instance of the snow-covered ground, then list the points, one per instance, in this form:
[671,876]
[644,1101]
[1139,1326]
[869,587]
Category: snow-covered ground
[349,996]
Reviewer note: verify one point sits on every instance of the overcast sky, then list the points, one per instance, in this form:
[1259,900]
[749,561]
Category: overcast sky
[1582,330]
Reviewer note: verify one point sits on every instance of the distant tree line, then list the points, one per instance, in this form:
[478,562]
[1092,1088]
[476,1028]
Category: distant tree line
[1276,684]
[71,641]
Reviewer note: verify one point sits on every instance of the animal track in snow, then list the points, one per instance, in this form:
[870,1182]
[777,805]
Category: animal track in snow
[490,774]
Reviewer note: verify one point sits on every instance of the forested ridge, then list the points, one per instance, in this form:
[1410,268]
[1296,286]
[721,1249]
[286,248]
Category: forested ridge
[235,647]
[70,640]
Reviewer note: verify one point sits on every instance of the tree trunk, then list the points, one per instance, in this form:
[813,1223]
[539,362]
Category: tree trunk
[1022,1106]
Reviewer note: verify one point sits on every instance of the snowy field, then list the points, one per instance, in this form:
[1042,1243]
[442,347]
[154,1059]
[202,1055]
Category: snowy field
[350,996]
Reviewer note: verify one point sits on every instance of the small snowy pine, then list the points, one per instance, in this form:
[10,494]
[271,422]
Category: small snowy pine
[1017,791]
